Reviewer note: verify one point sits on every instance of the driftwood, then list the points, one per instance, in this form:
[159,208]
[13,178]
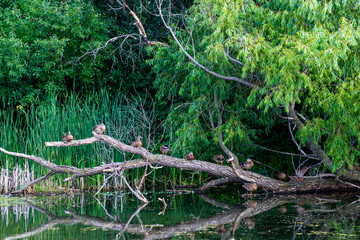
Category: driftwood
[225,174]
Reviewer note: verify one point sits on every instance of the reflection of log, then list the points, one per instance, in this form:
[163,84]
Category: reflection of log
[157,231]
[224,172]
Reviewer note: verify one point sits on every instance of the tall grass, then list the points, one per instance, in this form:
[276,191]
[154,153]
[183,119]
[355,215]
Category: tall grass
[27,130]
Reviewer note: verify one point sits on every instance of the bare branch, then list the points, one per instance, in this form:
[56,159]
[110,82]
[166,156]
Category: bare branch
[165,205]
[137,193]
[293,139]
[240,175]
[47,176]
[284,153]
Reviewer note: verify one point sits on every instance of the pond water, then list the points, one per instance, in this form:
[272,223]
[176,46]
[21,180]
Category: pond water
[187,216]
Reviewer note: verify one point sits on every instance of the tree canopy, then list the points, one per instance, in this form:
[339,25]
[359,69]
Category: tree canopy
[301,56]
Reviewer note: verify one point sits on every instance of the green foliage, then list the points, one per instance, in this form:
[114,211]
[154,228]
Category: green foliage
[40,42]
[302,52]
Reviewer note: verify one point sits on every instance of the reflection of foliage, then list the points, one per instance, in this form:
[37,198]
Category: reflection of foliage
[345,230]
[9,201]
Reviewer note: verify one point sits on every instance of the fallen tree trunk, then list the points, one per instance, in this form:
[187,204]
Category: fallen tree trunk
[225,173]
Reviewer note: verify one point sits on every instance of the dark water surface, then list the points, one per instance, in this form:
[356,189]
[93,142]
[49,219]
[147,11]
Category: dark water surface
[187,216]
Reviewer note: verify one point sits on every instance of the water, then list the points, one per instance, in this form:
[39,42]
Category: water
[187,216]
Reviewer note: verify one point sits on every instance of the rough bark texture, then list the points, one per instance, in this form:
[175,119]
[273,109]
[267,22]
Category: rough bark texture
[225,173]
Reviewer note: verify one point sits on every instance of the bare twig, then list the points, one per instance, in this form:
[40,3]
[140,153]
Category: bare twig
[284,153]
[136,192]
[165,205]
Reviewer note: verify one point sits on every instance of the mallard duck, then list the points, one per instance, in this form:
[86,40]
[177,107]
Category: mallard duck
[137,143]
[190,156]
[219,159]
[247,164]
[251,204]
[67,137]
[282,209]
[99,129]
[281,176]
[251,187]
[165,149]
[249,223]
[299,209]
[300,173]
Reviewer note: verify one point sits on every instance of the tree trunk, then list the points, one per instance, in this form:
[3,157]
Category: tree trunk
[225,173]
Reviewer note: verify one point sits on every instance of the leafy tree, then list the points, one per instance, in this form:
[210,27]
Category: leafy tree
[43,46]
[288,63]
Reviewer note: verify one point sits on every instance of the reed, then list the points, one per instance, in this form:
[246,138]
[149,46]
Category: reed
[27,129]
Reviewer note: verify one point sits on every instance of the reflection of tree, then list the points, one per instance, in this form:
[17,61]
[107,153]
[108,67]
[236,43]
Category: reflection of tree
[235,215]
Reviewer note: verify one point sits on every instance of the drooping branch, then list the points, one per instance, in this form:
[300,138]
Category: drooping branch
[314,147]
[197,63]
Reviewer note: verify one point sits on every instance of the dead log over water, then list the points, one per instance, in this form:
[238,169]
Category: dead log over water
[225,173]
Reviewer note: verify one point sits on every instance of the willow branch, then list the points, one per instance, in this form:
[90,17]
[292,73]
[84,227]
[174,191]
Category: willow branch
[239,80]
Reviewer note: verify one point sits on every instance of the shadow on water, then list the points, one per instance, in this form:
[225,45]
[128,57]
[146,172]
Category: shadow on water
[187,216]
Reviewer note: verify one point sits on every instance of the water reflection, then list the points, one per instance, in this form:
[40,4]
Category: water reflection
[120,216]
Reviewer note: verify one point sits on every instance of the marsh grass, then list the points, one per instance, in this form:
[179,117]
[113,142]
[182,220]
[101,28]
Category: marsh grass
[26,130]
[14,179]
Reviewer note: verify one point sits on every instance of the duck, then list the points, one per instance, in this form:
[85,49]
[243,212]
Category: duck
[251,204]
[247,164]
[219,159]
[281,176]
[67,137]
[189,156]
[99,129]
[137,143]
[282,209]
[249,223]
[251,187]
[165,149]
[300,173]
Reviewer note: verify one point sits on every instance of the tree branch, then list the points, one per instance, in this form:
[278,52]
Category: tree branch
[239,80]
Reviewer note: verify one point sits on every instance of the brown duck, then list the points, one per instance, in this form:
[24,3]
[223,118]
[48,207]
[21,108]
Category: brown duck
[99,129]
[249,223]
[190,156]
[300,173]
[137,143]
[219,159]
[247,164]
[67,137]
[281,176]
[251,204]
[251,187]
[165,149]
